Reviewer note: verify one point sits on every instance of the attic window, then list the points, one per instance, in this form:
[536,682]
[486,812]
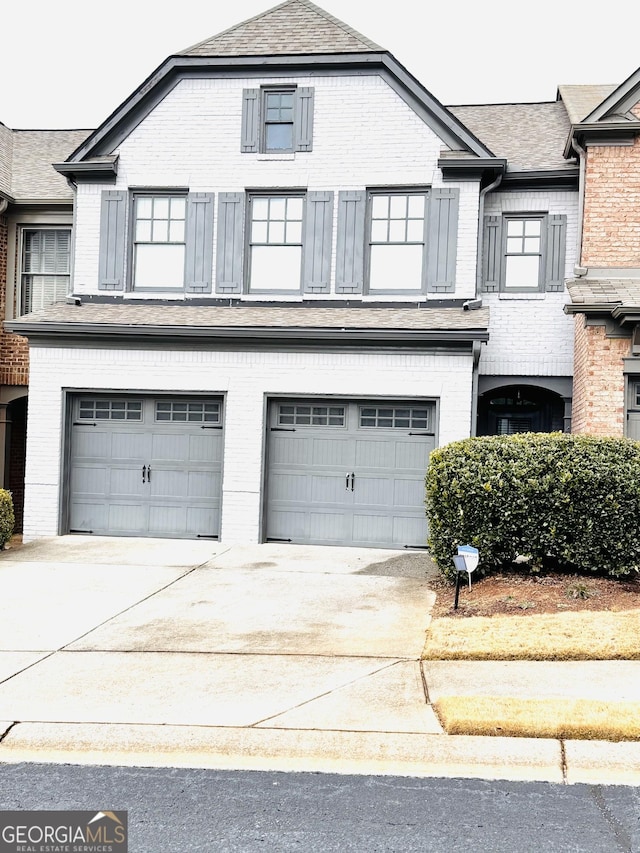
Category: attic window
[277,119]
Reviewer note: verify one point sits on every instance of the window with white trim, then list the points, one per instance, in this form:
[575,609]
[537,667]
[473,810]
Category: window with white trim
[397,242]
[45,267]
[275,243]
[159,242]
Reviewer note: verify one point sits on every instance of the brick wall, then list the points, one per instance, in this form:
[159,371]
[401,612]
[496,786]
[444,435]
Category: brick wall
[598,381]
[611,235]
[14,350]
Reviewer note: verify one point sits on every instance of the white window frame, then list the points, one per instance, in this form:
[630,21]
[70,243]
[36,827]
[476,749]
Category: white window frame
[541,219]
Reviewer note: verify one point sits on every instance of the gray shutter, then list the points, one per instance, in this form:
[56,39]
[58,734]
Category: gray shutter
[442,240]
[555,254]
[350,241]
[113,215]
[230,248]
[250,120]
[318,229]
[304,119]
[199,243]
[491,253]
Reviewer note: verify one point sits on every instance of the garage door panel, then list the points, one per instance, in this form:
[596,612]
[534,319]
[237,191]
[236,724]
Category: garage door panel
[91,443]
[111,458]
[360,483]
[131,446]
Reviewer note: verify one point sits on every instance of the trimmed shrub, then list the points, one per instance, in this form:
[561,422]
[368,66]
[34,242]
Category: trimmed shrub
[568,502]
[7,518]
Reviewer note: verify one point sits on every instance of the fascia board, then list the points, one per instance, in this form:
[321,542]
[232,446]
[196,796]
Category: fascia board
[155,88]
[39,330]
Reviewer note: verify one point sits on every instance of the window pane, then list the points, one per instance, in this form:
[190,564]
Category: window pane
[275,267]
[380,206]
[397,231]
[176,231]
[294,232]
[395,268]
[259,232]
[159,266]
[532,244]
[294,208]
[279,137]
[161,208]
[398,206]
[522,271]
[143,230]
[277,208]
[260,208]
[379,230]
[532,227]
[416,206]
[514,245]
[415,230]
[160,231]
[144,207]
[276,232]
[178,207]
[515,227]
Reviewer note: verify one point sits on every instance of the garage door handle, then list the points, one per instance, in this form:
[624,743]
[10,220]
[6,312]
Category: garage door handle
[353,477]
[346,480]
[144,473]
[149,474]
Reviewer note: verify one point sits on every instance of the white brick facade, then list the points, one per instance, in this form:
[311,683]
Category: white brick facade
[530,335]
[246,379]
[192,140]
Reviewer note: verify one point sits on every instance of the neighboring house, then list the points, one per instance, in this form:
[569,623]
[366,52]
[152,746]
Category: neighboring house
[36,215]
[605,288]
[295,273]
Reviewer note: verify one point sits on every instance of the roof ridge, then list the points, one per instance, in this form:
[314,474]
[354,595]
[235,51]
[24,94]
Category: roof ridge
[235,26]
[333,20]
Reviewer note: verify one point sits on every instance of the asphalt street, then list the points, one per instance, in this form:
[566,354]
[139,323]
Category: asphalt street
[183,811]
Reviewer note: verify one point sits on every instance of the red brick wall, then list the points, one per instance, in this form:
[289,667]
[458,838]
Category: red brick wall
[598,381]
[14,350]
[611,232]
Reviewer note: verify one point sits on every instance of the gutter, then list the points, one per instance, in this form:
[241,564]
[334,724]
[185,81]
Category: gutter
[93,331]
[582,155]
[475,349]
[479,265]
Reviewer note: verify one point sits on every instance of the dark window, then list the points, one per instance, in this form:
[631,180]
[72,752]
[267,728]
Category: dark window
[278,120]
[45,267]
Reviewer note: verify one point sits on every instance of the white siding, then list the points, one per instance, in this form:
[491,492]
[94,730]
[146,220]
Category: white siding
[246,377]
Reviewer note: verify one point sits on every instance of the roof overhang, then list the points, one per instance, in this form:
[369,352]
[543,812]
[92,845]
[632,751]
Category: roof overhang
[472,168]
[152,91]
[601,133]
[541,179]
[93,332]
[89,170]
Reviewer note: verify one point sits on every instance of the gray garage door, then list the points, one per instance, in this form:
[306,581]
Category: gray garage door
[348,473]
[145,466]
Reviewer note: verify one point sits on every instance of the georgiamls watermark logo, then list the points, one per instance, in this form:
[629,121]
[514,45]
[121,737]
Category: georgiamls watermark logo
[63,832]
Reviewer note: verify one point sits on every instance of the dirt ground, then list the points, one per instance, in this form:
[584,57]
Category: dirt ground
[518,594]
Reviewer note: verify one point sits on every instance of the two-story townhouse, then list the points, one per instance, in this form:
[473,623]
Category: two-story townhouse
[605,287]
[35,250]
[284,249]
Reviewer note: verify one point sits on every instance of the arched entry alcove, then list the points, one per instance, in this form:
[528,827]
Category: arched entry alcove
[520,408]
[16,444]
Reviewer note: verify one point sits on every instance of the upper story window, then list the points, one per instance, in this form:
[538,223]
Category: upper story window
[397,242]
[524,252]
[275,243]
[45,269]
[277,119]
[159,242]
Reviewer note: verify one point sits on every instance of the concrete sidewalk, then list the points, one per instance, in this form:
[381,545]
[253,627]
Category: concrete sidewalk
[280,657]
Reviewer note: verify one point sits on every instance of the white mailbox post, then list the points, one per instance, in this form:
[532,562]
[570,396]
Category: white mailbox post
[466,560]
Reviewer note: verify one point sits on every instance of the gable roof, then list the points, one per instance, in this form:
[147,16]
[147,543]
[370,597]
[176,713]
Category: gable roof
[619,102]
[579,101]
[293,27]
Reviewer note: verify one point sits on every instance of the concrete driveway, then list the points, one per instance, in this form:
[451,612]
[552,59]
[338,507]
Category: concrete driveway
[129,633]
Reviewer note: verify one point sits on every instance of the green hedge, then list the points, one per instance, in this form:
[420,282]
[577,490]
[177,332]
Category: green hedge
[7,518]
[570,502]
